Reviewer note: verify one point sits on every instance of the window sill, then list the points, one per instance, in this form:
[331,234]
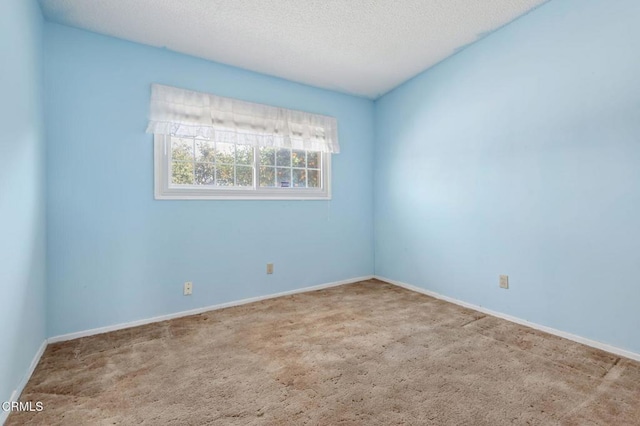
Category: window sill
[235,194]
[183,196]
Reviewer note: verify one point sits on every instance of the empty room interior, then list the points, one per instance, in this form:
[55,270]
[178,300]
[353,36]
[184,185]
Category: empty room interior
[239,212]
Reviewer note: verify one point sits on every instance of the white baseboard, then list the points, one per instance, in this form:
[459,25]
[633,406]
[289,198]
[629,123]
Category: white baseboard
[588,342]
[196,311]
[15,396]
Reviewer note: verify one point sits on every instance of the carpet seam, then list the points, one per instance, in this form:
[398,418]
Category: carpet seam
[472,321]
[604,385]
[541,356]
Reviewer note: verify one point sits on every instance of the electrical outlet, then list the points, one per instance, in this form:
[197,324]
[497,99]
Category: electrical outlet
[188,288]
[269,268]
[504,281]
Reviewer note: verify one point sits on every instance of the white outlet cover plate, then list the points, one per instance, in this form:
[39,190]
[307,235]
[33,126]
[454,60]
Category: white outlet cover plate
[504,281]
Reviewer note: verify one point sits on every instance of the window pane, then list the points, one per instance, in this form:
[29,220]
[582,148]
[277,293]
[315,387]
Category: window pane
[313,178]
[299,178]
[244,154]
[226,153]
[267,176]
[244,175]
[313,160]
[204,174]
[267,157]
[181,149]
[283,178]
[283,157]
[181,173]
[205,152]
[213,168]
[224,175]
[297,159]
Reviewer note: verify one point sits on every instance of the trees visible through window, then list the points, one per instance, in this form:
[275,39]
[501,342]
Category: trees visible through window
[207,169]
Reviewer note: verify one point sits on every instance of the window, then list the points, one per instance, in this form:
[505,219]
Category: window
[210,147]
[192,168]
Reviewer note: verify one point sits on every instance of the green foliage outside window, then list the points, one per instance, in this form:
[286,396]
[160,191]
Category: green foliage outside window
[197,162]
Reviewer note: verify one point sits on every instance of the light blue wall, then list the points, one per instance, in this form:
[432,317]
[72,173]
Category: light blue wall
[22,211]
[521,156]
[118,255]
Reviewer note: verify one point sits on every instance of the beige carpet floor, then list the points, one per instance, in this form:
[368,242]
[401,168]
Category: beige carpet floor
[366,353]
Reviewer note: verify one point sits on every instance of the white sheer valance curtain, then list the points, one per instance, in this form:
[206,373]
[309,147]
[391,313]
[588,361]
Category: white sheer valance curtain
[187,113]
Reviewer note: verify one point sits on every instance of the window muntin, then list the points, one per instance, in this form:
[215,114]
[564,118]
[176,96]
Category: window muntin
[192,168]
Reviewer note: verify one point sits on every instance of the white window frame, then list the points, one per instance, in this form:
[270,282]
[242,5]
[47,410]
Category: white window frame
[164,190]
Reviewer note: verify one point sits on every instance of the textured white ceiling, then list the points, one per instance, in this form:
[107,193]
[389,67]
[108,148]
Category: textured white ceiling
[362,47]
